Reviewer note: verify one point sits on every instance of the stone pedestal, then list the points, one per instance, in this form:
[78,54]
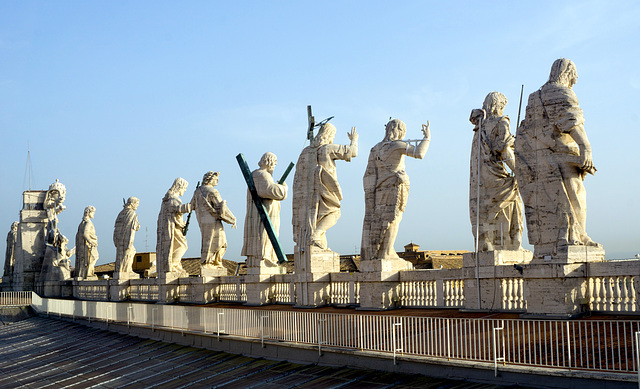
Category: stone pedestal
[168,287]
[192,290]
[119,290]
[258,288]
[556,286]
[379,282]
[7,284]
[313,268]
[493,267]
[57,289]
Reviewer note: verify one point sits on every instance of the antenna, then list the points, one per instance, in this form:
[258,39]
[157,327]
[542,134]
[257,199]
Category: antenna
[146,239]
[28,167]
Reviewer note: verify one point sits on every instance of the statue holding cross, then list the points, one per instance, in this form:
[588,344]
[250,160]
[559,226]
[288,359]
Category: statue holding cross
[257,246]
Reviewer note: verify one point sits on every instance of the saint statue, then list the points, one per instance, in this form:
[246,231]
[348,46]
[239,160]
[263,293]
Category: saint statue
[124,232]
[386,189]
[553,158]
[257,246]
[211,211]
[86,245]
[10,254]
[172,243]
[317,193]
[499,212]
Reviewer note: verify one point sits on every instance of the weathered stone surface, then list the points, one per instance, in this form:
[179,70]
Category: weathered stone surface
[171,242]
[313,275]
[211,211]
[499,213]
[124,232]
[261,258]
[553,158]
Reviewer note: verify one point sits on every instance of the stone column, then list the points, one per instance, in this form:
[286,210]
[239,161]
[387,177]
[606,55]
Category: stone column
[30,247]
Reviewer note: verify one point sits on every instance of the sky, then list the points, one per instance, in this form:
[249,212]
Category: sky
[117,99]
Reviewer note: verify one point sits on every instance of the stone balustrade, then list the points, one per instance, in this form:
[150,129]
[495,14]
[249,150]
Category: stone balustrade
[612,287]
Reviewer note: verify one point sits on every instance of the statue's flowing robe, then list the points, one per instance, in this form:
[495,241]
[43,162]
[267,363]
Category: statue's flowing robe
[317,193]
[210,209]
[498,189]
[10,253]
[547,168]
[256,241]
[386,190]
[123,235]
[86,256]
[171,243]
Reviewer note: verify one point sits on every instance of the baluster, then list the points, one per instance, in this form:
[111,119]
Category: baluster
[590,291]
[598,285]
[626,285]
[634,290]
[610,292]
[618,296]
[516,293]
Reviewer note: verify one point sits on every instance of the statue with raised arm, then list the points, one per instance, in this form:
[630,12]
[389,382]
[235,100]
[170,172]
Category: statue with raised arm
[386,189]
[553,158]
[124,232]
[54,204]
[257,246]
[317,193]
[10,253]
[211,211]
[86,245]
[171,242]
[499,212]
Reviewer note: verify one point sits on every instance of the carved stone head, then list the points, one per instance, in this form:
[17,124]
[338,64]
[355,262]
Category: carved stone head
[211,178]
[494,104]
[563,72]
[395,130]
[268,161]
[326,135]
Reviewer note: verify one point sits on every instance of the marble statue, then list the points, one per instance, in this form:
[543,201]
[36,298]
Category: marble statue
[56,265]
[86,246]
[171,242]
[386,189]
[553,158]
[211,211]
[257,246]
[500,208]
[124,232]
[10,254]
[316,191]
[53,204]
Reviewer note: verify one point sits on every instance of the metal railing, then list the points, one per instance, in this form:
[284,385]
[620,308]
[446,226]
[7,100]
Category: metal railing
[593,345]
[15,298]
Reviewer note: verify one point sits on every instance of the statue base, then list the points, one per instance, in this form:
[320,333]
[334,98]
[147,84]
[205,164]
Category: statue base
[210,272]
[567,254]
[6,284]
[258,289]
[556,290]
[379,282]
[126,276]
[313,268]
[263,267]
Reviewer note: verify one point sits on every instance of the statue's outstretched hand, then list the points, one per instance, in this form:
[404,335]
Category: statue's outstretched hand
[586,159]
[425,130]
[353,135]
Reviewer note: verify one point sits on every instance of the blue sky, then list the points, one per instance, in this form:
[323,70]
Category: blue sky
[117,99]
